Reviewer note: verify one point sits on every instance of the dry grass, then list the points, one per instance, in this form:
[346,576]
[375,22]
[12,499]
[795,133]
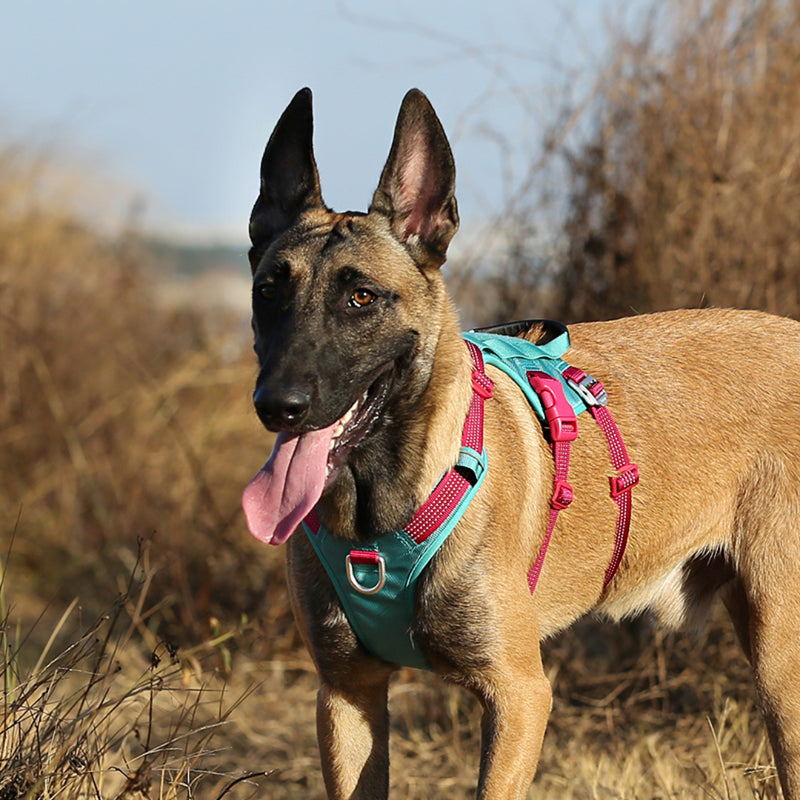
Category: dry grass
[636,715]
[98,718]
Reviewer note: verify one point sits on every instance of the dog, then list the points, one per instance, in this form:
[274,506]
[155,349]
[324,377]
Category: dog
[366,380]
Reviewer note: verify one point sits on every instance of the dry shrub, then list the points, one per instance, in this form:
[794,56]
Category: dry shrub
[118,421]
[687,192]
[503,273]
[115,713]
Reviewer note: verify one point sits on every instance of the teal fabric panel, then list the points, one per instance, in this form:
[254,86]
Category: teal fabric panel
[382,621]
[516,357]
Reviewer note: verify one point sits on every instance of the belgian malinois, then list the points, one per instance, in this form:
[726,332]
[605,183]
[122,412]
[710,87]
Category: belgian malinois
[366,381]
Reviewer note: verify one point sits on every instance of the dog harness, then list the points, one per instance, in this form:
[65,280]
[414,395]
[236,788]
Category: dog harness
[376,581]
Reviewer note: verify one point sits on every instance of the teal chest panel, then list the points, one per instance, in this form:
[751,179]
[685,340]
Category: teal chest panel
[379,597]
[382,619]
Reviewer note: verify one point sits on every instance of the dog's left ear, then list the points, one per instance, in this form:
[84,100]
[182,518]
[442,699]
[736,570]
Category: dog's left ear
[417,186]
[289,176]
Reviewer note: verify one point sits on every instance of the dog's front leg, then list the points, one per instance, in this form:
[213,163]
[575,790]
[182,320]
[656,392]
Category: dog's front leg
[353,732]
[517,704]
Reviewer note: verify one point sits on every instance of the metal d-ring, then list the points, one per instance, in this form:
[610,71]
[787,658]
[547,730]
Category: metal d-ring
[354,582]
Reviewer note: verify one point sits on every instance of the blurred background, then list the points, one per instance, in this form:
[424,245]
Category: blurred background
[613,158]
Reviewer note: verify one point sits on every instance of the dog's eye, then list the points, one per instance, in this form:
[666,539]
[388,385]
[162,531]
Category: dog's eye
[361,298]
[268,291]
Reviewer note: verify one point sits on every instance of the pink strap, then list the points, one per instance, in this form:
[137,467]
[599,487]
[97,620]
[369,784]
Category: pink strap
[312,520]
[370,557]
[562,430]
[562,497]
[438,507]
[453,486]
[627,473]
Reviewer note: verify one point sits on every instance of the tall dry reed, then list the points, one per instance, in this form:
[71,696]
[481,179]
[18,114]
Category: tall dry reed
[687,191]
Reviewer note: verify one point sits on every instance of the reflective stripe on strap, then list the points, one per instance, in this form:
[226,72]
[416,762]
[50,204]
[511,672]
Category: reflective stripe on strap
[454,485]
[562,430]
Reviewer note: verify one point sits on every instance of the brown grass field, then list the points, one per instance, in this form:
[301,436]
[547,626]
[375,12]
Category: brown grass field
[148,648]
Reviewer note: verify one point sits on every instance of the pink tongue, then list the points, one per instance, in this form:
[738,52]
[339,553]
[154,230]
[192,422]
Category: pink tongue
[288,486]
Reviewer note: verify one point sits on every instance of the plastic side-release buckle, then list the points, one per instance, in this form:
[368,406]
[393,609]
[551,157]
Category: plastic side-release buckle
[626,478]
[559,414]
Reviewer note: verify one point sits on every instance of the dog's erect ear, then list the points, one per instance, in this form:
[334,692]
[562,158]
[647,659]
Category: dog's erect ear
[416,189]
[289,177]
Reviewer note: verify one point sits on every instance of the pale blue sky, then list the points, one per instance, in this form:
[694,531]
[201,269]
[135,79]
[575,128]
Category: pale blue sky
[177,98]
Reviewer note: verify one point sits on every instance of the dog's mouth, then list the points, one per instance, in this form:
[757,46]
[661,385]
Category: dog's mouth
[357,423]
[302,466]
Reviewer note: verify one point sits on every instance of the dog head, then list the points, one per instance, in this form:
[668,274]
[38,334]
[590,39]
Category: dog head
[347,307]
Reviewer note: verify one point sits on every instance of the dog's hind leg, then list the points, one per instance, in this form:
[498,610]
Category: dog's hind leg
[776,670]
[775,655]
[353,733]
[769,565]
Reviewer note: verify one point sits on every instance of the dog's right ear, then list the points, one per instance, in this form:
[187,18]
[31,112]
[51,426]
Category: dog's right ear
[289,177]
[417,187]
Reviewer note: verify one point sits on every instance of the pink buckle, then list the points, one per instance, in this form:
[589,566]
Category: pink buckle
[563,495]
[482,384]
[625,479]
[557,411]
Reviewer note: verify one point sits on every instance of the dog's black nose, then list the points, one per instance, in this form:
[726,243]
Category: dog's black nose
[282,409]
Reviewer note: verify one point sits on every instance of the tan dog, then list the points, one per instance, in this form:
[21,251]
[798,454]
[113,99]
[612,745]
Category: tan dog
[365,377]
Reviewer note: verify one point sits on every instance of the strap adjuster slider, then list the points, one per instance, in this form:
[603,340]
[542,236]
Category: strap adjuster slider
[626,478]
[563,495]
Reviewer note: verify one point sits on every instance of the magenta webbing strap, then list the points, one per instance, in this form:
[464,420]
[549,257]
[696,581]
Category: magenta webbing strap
[453,486]
[482,389]
[368,557]
[626,478]
[562,429]
[627,473]
[562,496]
[437,508]
[312,521]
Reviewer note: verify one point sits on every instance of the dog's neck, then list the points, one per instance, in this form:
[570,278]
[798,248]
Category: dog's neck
[418,440]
